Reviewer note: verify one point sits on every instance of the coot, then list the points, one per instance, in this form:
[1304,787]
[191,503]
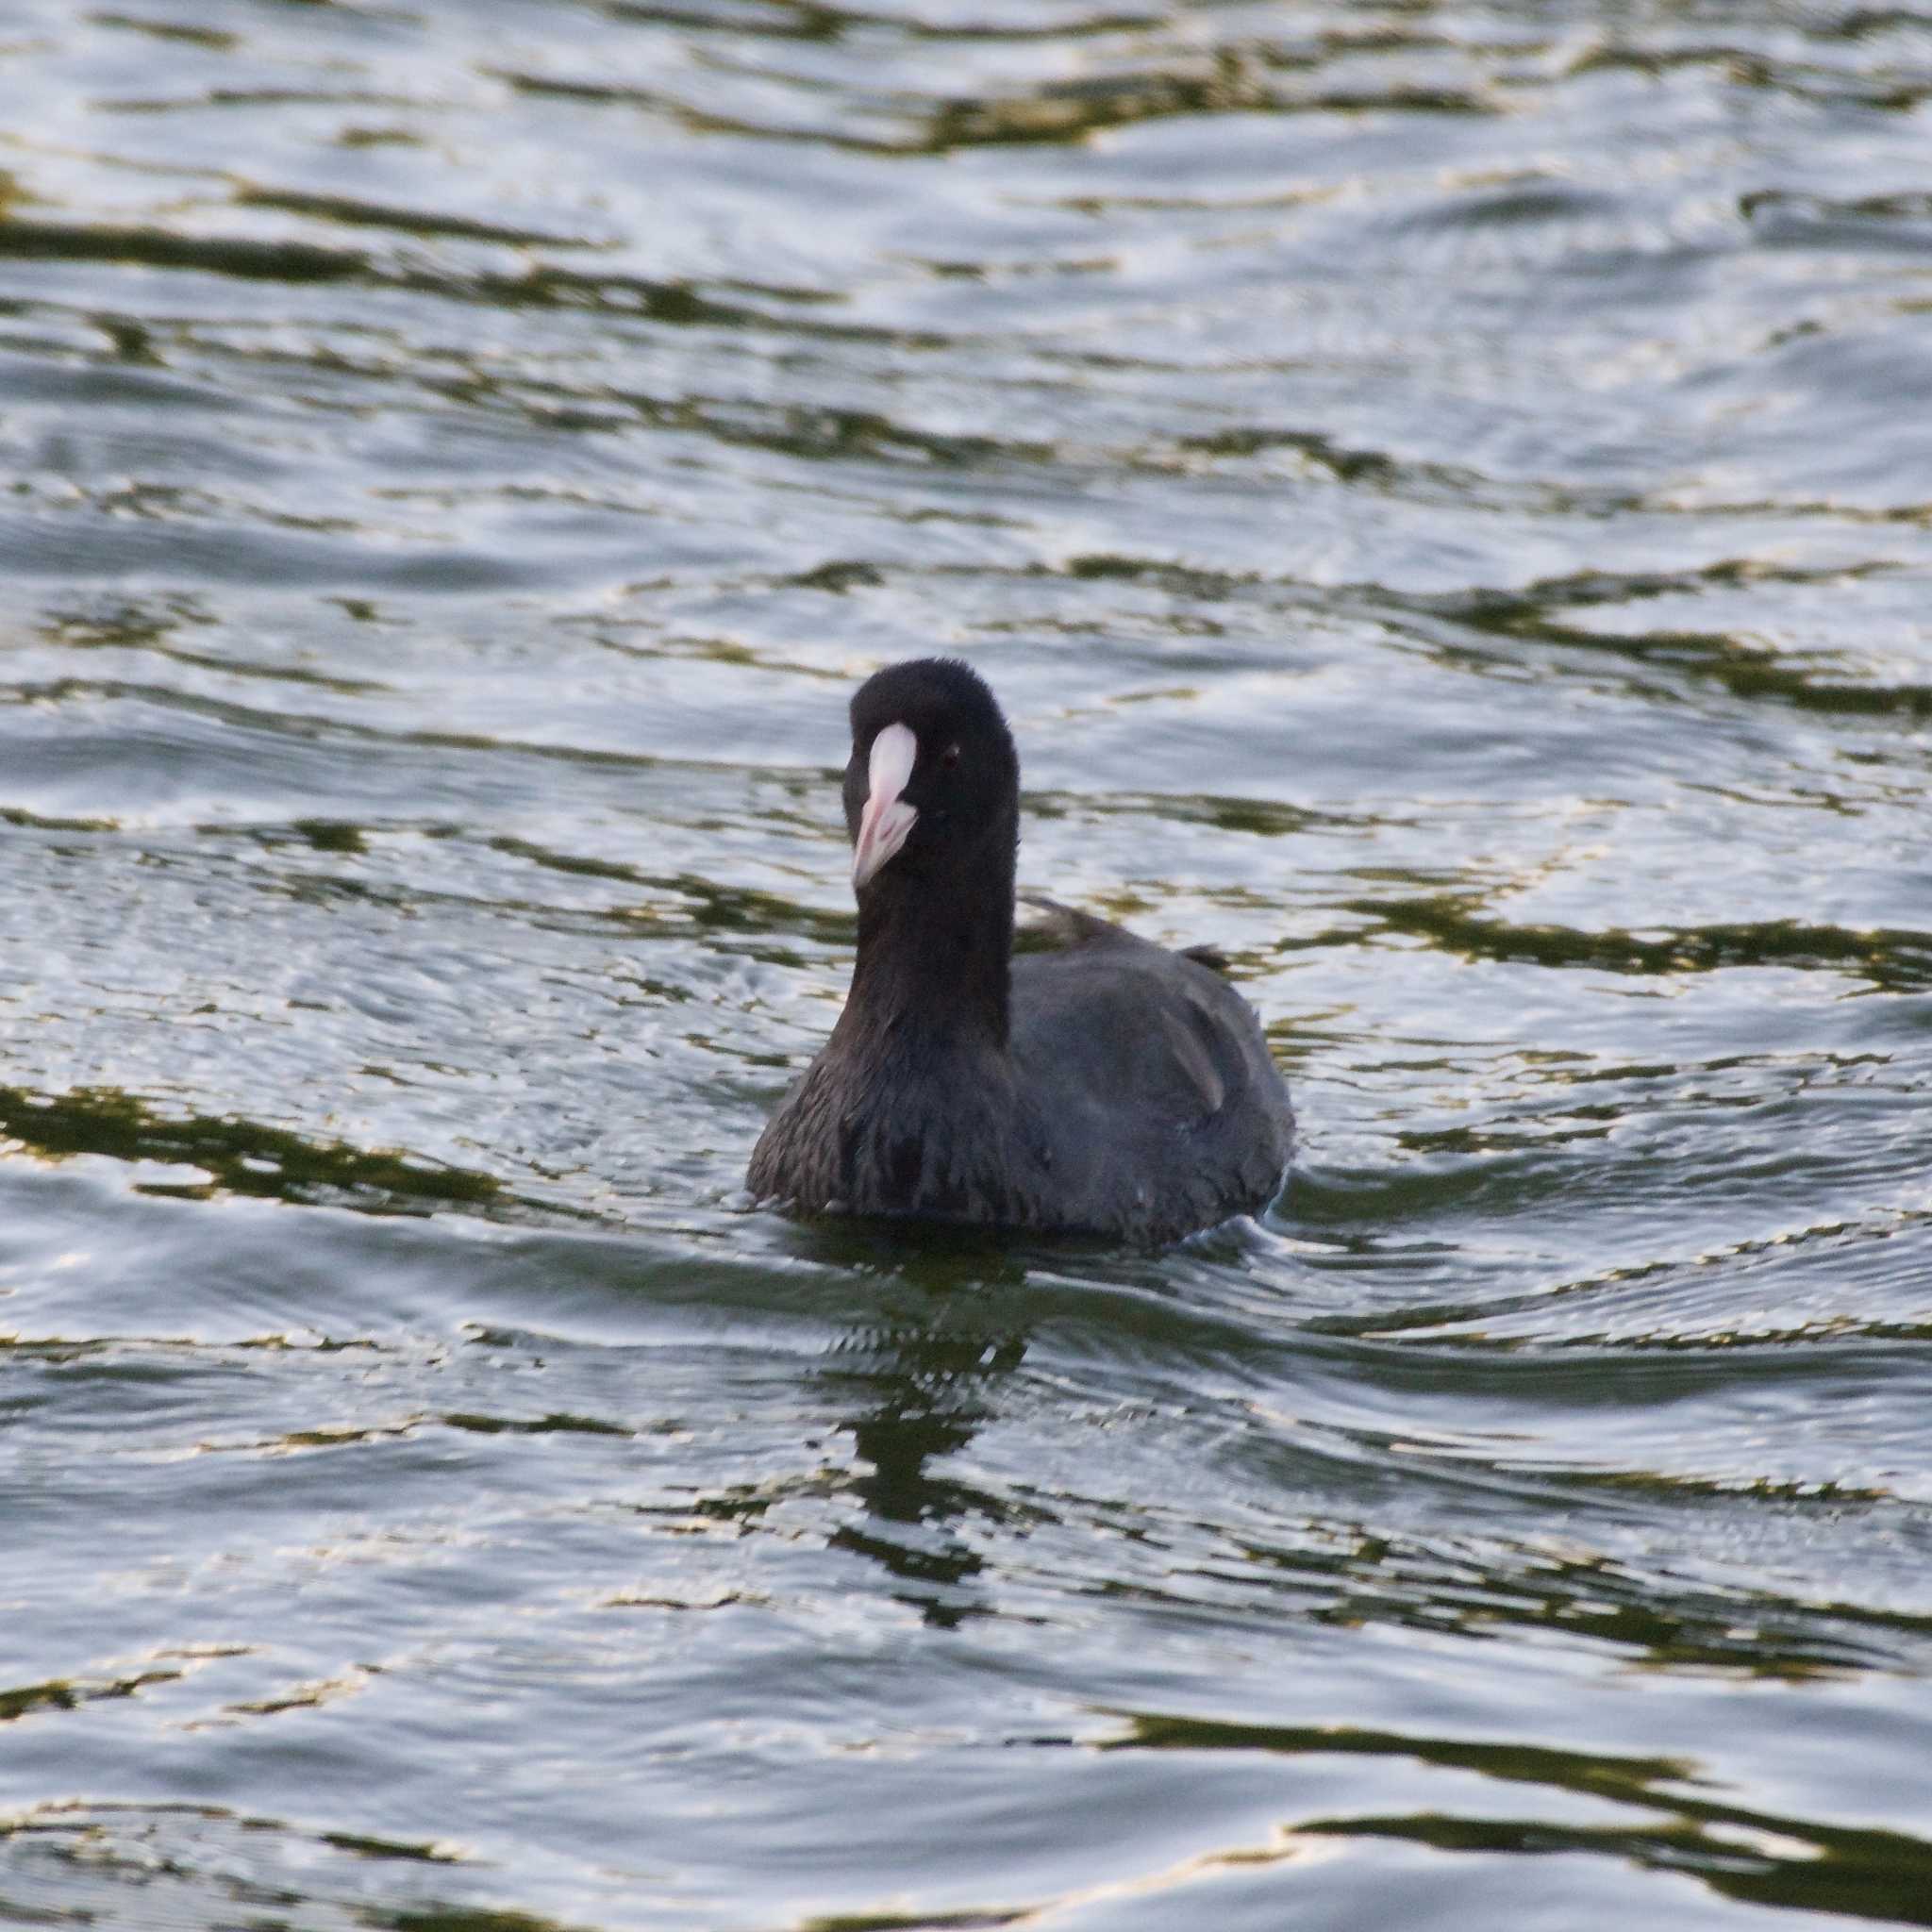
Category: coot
[1109,1087]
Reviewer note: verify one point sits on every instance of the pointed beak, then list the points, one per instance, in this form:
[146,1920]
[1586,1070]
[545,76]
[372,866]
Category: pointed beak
[886,817]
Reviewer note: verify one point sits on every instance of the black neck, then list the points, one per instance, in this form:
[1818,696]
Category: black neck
[935,956]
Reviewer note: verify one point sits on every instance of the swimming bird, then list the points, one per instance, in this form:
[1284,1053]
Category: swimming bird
[1109,1087]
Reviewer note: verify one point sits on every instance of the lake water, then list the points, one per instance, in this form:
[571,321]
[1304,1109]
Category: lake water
[1444,493]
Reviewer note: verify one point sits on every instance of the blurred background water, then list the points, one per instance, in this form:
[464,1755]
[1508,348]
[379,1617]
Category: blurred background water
[1444,492]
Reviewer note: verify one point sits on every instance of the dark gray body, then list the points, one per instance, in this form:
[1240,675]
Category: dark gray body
[1134,1098]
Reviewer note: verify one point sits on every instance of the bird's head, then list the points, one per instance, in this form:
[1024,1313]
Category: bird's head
[933,785]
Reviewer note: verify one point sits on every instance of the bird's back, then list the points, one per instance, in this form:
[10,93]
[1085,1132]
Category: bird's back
[1148,1080]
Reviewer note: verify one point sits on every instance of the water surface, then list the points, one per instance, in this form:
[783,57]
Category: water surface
[1442,493]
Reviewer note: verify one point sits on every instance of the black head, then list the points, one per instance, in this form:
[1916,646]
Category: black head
[933,787]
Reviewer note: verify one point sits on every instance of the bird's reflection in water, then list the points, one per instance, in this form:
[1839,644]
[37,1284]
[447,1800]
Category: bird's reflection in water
[914,1390]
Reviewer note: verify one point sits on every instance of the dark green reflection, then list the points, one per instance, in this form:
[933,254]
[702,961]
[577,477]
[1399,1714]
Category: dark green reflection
[1893,958]
[239,1157]
[1752,1855]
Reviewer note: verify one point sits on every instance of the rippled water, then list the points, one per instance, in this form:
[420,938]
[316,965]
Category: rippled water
[1445,494]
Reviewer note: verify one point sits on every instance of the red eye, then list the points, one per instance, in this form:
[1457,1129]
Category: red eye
[950,757]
